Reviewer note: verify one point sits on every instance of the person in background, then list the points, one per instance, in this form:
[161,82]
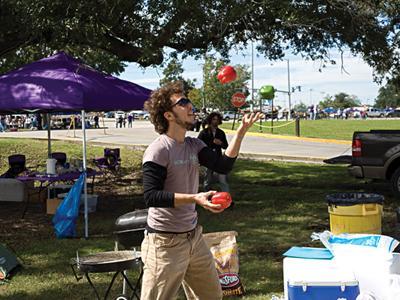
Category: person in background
[339,113]
[130,120]
[215,139]
[87,123]
[197,122]
[27,122]
[203,117]
[39,122]
[96,121]
[120,121]
[2,121]
[34,123]
[173,250]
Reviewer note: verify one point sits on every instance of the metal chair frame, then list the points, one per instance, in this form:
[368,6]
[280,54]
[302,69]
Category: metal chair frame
[110,163]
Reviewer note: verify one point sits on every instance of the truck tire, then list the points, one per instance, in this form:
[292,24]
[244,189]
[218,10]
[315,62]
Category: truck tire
[395,183]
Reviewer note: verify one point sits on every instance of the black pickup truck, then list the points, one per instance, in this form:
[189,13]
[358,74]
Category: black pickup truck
[375,155]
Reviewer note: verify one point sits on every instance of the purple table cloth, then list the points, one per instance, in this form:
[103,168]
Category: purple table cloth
[68,176]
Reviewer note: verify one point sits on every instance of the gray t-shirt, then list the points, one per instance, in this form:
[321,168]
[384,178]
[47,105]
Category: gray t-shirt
[182,164]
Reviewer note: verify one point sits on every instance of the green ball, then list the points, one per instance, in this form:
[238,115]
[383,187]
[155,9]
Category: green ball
[267,92]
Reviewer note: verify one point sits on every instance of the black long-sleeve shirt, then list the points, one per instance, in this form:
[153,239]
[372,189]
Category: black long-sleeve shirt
[207,136]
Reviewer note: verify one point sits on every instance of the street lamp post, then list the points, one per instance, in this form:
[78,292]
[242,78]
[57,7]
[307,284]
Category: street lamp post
[289,92]
[252,72]
[204,81]
[252,82]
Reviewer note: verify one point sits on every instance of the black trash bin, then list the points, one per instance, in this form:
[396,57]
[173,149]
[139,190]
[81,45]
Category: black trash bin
[355,212]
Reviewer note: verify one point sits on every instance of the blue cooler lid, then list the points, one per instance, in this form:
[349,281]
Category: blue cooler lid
[309,253]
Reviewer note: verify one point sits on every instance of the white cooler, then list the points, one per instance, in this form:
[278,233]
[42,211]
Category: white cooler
[317,279]
[317,275]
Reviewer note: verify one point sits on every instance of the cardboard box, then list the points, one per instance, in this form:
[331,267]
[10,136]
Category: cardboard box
[52,204]
[35,196]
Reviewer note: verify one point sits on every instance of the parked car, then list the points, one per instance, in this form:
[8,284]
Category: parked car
[354,113]
[375,155]
[120,114]
[393,114]
[61,121]
[138,114]
[110,114]
[230,115]
[374,112]
[268,114]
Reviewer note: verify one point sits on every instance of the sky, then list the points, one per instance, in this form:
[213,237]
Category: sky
[356,80]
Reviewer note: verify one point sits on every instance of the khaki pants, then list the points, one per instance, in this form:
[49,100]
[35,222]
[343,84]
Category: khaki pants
[171,259]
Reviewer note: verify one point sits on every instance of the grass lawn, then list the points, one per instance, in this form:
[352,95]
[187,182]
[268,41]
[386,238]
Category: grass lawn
[326,129]
[277,205]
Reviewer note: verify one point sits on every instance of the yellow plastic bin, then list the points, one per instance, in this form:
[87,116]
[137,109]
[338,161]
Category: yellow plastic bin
[355,213]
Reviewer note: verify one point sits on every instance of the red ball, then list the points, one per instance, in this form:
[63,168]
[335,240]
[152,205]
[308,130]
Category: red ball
[226,74]
[222,198]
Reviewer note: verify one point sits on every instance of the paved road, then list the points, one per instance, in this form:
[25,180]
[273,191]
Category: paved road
[262,146]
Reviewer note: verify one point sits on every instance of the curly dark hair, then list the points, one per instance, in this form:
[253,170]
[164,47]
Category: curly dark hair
[160,102]
[212,115]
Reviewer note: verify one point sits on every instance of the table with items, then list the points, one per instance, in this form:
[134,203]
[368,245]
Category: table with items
[46,180]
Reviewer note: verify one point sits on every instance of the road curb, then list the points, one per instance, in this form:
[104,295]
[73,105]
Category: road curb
[289,158]
[293,138]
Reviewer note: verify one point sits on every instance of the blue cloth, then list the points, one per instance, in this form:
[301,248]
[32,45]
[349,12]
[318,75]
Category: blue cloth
[309,253]
[64,220]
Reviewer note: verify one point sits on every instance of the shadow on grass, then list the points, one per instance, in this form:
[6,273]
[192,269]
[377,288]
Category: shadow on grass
[277,205]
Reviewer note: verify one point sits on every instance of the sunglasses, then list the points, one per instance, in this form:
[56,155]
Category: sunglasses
[183,102]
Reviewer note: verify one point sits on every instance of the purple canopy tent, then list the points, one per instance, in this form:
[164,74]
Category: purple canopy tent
[60,83]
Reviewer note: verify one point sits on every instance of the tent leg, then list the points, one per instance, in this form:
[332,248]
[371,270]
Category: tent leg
[84,172]
[48,135]
[104,125]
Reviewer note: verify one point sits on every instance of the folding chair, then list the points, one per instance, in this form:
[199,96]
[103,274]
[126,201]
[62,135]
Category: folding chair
[16,164]
[110,164]
[59,188]
[61,158]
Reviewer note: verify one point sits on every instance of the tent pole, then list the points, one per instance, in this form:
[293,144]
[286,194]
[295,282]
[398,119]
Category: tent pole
[74,126]
[48,135]
[84,172]
[104,125]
